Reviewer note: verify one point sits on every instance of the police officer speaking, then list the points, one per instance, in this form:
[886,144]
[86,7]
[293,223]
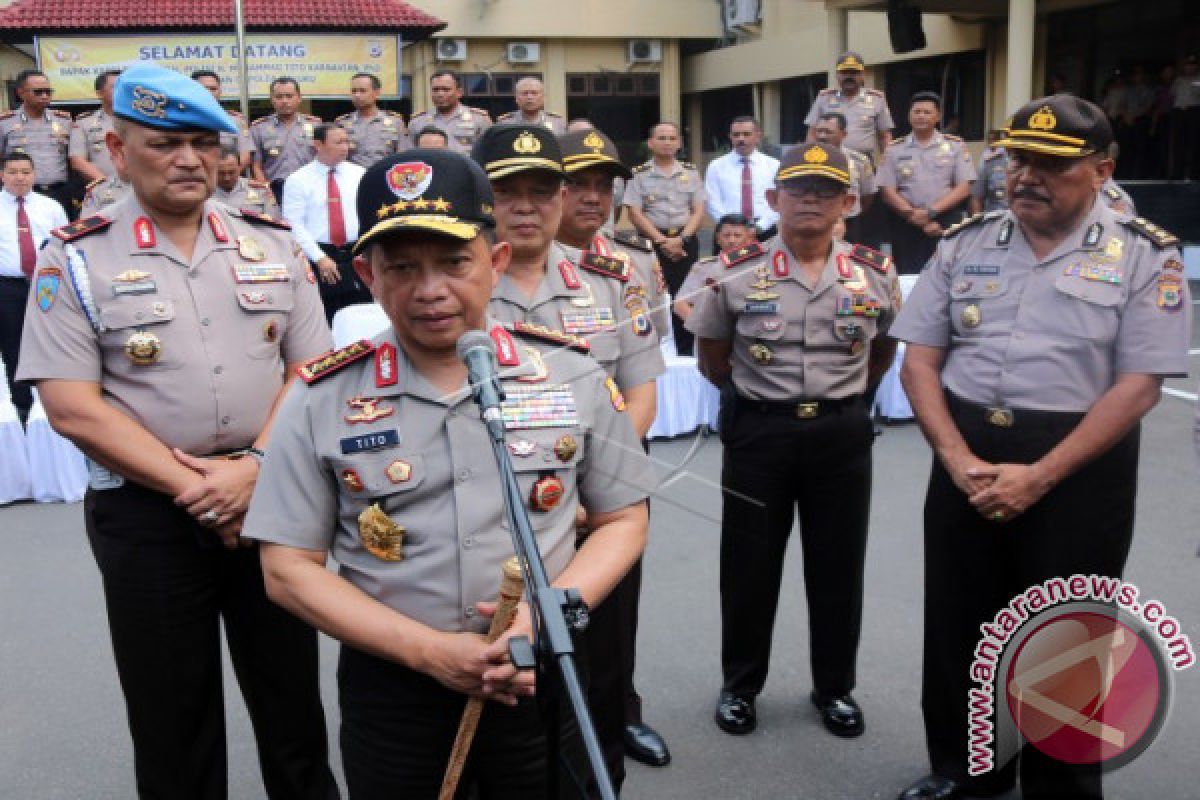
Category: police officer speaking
[799,328]
[383,462]
[1037,339]
[158,336]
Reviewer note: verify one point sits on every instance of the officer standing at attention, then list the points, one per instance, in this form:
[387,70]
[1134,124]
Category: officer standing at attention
[799,326]
[1038,338]
[374,133]
[463,124]
[158,338]
[925,179]
[383,463]
[989,192]
[732,231]
[43,133]
[87,152]
[866,111]
[283,141]
[239,142]
[237,192]
[665,198]
[530,94]
[592,164]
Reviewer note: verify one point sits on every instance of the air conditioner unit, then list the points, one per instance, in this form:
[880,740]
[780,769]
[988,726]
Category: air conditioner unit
[742,13]
[644,51]
[451,49]
[522,52]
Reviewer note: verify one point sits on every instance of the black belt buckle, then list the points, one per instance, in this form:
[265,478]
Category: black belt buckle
[808,410]
[999,417]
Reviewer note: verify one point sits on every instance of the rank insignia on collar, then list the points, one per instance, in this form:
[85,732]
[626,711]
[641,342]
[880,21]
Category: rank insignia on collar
[844,269]
[600,245]
[399,471]
[315,369]
[218,227]
[385,366]
[381,537]
[547,492]
[368,409]
[506,349]
[569,276]
[780,264]
[1092,237]
[609,266]
[143,233]
[731,258]
[1006,232]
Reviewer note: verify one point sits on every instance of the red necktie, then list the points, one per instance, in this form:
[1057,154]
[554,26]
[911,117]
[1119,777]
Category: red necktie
[337,223]
[25,240]
[747,191]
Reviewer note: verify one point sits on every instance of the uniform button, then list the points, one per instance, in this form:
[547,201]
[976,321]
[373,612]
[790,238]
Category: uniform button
[206,322]
[468,542]
[464,475]
[226,420]
[217,370]
[469,611]
[451,413]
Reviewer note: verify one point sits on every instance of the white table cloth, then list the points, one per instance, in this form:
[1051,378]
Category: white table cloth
[14,463]
[890,401]
[57,469]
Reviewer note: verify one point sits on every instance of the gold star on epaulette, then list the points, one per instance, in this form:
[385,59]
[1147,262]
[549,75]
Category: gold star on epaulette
[441,205]
[420,204]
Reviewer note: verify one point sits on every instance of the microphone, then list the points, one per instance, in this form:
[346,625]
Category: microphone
[477,350]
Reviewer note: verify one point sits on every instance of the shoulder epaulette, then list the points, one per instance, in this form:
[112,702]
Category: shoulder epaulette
[94,184]
[481,112]
[85,115]
[82,227]
[970,221]
[343,117]
[872,258]
[260,120]
[313,118]
[63,114]
[731,258]
[706,260]
[687,165]
[1161,238]
[264,219]
[506,115]
[856,155]
[632,239]
[641,168]
[317,368]
[7,114]
[542,333]
[827,90]
[1113,192]
[256,184]
[874,91]
[551,113]
[952,137]
[607,266]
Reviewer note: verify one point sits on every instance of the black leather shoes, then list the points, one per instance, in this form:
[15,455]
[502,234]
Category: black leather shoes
[840,714]
[931,787]
[735,714]
[642,743]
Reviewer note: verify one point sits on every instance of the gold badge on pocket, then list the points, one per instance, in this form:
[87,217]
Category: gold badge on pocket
[382,537]
[971,316]
[143,348]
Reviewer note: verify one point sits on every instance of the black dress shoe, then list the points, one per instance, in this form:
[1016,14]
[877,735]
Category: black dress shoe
[642,743]
[840,714]
[735,714]
[931,787]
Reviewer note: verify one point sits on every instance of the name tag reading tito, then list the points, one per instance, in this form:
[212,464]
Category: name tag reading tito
[369,441]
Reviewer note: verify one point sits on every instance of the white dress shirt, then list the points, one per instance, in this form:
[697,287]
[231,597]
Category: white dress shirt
[306,204]
[45,214]
[723,187]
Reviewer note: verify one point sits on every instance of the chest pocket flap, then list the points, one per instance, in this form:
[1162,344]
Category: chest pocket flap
[135,310]
[768,327]
[978,287]
[277,297]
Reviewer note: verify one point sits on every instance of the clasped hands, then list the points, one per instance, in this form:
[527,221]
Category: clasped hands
[999,492]
[218,499]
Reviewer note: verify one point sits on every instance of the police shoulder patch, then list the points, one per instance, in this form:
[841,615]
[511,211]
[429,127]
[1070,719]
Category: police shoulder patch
[545,334]
[326,364]
[82,227]
[94,184]
[264,219]
[872,258]
[731,258]
[632,239]
[1155,234]
[608,266]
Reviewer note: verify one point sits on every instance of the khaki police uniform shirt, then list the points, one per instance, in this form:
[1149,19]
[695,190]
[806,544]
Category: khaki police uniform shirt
[555,123]
[704,274]
[1050,334]
[866,114]
[923,173]
[87,140]
[374,138]
[818,336]
[224,324]
[251,194]
[103,193]
[1117,198]
[463,126]
[610,314]
[428,465]
[666,197]
[45,141]
[239,142]
[862,179]
[283,149]
[990,187]
[646,273]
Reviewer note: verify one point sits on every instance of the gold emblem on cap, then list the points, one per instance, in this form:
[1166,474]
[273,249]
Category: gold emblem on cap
[971,316]
[815,155]
[527,144]
[593,141]
[1043,119]
[143,348]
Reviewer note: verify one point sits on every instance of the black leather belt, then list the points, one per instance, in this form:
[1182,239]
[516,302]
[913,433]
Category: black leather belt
[14,279]
[799,409]
[1005,417]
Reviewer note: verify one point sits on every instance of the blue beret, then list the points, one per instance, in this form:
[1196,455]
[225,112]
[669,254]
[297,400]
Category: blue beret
[162,98]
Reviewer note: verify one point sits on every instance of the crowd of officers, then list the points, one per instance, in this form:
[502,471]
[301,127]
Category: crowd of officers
[166,333]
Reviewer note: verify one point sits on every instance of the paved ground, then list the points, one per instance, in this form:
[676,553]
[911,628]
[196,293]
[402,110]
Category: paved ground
[62,730]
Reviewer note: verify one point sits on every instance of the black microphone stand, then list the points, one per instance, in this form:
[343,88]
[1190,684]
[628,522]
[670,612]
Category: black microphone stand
[555,613]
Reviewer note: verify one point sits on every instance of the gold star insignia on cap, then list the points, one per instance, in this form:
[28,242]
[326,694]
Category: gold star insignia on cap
[398,206]
[420,204]
[593,141]
[816,155]
[441,205]
[383,211]
[527,144]
[1043,119]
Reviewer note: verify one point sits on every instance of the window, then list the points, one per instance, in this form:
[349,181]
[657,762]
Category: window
[960,79]
[624,105]
[493,92]
[796,96]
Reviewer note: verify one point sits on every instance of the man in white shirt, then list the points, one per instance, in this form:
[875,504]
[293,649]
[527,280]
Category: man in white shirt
[26,219]
[737,182]
[318,202]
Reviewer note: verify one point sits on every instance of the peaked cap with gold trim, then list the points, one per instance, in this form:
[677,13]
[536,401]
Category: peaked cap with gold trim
[1059,125]
[814,160]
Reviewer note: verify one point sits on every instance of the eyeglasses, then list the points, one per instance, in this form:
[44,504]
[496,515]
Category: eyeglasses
[46,92]
[821,191]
